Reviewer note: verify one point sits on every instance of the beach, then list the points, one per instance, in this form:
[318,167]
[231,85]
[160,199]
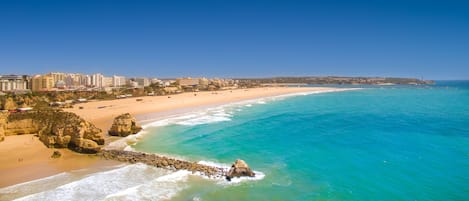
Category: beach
[25,158]
[101,113]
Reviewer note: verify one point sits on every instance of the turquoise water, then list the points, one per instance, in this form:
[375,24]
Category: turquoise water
[391,143]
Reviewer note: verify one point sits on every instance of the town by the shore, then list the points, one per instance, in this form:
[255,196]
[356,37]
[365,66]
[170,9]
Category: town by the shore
[25,158]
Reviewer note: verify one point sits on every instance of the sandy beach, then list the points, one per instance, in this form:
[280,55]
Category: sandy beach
[25,158]
[101,113]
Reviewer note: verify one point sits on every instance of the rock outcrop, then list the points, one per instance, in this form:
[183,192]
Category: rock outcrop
[21,126]
[9,104]
[56,154]
[239,169]
[3,122]
[57,129]
[124,125]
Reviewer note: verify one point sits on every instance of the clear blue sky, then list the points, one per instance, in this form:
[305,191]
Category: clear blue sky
[225,38]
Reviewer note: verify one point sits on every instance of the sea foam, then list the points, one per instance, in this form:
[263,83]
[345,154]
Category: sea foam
[99,185]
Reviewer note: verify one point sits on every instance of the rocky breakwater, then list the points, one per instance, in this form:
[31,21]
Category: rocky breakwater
[161,162]
[57,129]
[124,125]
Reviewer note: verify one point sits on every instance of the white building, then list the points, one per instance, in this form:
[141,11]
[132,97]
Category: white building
[13,82]
[97,80]
[118,81]
[142,81]
[107,81]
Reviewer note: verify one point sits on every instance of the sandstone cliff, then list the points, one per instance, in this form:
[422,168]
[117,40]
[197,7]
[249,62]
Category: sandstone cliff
[57,129]
[124,125]
[3,122]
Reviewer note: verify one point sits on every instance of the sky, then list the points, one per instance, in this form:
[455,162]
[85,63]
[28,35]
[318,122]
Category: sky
[224,38]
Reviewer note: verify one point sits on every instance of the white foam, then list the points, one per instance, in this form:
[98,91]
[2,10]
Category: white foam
[238,180]
[222,181]
[161,188]
[98,185]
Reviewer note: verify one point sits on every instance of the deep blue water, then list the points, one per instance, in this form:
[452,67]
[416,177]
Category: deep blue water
[384,143]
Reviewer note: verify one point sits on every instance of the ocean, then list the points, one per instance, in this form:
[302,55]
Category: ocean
[376,143]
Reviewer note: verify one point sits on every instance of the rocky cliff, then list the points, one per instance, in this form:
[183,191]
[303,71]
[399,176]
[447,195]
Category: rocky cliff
[57,129]
[3,122]
[20,127]
[124,125]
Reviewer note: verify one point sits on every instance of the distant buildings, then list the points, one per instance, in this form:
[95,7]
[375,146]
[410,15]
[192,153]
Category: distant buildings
[142,81]
[97,80]
[42,83]
[118,81]
[59,81]
[204,83]
[13,82]
[185,82]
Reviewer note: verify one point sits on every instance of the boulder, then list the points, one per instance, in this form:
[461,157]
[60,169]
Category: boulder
[124,125]
[84,146]
[56,154]
[239,169]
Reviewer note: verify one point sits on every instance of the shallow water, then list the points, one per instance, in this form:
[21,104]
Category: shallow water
[386,143]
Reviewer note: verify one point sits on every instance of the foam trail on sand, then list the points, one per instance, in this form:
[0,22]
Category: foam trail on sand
[161,188]
[107,182]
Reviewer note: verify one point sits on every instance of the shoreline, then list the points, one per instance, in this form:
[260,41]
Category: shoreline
[40,164]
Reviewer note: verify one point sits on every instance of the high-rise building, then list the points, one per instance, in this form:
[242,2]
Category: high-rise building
[97,80]
[42,83]
[118,81]
[142,81]
[57,76]
[85,80]
[107,81]
[13,82]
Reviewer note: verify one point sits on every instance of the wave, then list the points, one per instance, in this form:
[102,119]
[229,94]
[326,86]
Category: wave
[223,112]
[161,188]
[129,182]
[216,114]
[98,186]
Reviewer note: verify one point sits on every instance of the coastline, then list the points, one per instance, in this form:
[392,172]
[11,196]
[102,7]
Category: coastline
[34,161]
[102,113]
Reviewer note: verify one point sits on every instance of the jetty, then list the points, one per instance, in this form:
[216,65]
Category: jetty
[238,169]
[162,162]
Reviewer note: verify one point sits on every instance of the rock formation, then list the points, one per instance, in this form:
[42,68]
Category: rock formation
[57,129]
[124,125]
[9,104]
[239,169]
[3,122]
[56,154]
[20,127]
